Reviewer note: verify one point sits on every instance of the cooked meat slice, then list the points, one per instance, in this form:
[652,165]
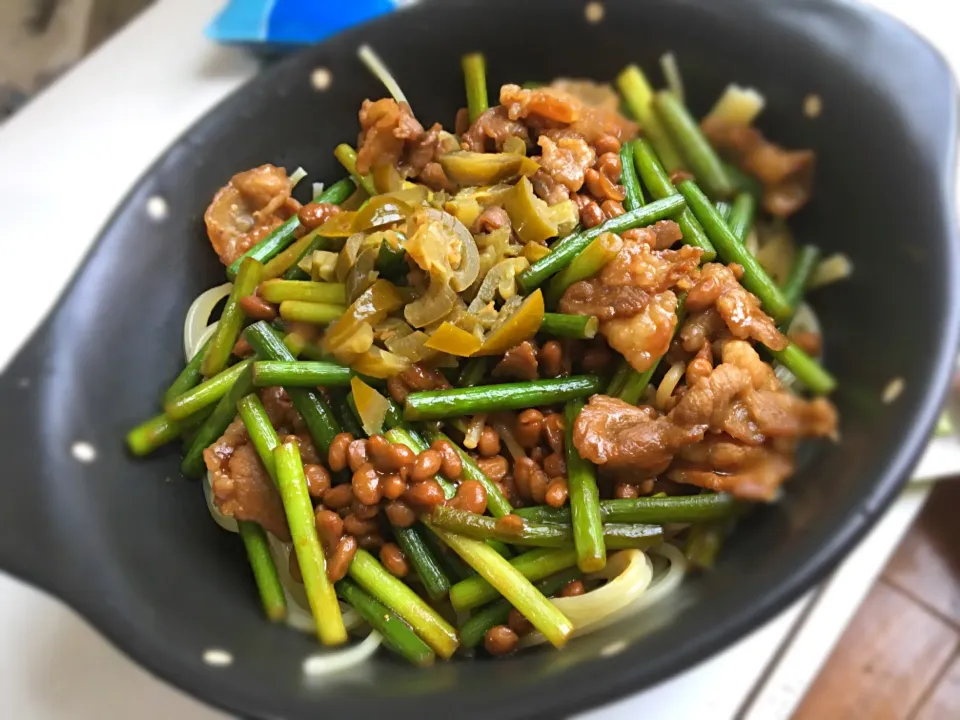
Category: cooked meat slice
[758,480]
[612,433]
[242,489]
[434,177]
[519,363]
[700,329]
[598,122]
[386,126]
[787,175]
[566,159]
[590,93]
[493,218]
[645,337]
[544,102]
[592,297]
[247,209]
[706,403]
[548,188]
[780,414]
[639,265]
[743,355]
[700,366]
[740,310]
[491,130]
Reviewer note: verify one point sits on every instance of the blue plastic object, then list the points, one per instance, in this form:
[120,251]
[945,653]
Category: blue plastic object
[292,22]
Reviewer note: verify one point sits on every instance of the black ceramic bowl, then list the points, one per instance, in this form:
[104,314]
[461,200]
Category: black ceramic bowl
[130,545]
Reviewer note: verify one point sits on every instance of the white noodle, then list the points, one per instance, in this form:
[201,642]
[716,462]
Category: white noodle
[198,317]
[665,583]
[373,62]
[671,73]
[669,384]
[296,176]
[330,662]
[628,572]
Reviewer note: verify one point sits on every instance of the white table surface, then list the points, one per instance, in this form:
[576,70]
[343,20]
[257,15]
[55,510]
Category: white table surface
[100,126]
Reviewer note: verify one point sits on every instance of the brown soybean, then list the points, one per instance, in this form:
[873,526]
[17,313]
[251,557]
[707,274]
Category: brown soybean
[489,443]
[339,496]
[529,428]
[451,465]
[500,640]
[329,528]
[471,496]
[318,480]
[518,623]
[366,484]
[555,465]
[256,308]
[340,559]
[394,560]
[352,525]
[495,467]
[538,486]
[572,589]
[357,454]
[393,486]
[553,431]
[426,494]
[550,358]
[400,514]
[337,457]
[427,466]
[557,492]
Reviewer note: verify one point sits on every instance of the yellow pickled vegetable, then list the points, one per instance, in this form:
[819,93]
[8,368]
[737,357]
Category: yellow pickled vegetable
[535,251]
[371,406]
[474,168]
[382,210]
[529,214]
[450,339]
[380,363]
[340,225]
[373,305]
[520,326]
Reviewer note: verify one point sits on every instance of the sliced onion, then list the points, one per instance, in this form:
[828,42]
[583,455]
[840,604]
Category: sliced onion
[410,346]
[830,270]
[320,664]
[629,573]
[299,616]
[501,276]
[362,275]
[471,438]
[433,305]
[469,267]
[198,317]
[224,521]
[509,439]
[204,336]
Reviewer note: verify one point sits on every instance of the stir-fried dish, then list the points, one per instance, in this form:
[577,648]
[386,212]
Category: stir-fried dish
[505,383]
